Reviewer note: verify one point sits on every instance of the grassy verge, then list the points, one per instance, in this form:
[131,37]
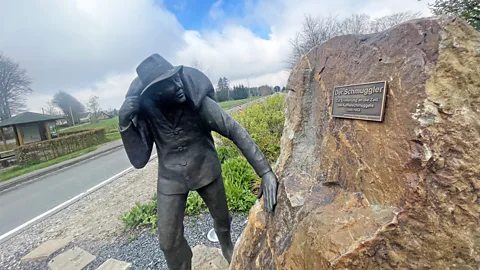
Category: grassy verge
[108,124]
[20,170]
[232,103]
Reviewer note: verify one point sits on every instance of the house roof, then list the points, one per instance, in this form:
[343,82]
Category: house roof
[28,117]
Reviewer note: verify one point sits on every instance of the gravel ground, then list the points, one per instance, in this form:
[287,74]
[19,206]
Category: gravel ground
[94,225]
[144,250]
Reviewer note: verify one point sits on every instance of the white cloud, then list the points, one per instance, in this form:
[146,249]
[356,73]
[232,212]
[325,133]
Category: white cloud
[90,47]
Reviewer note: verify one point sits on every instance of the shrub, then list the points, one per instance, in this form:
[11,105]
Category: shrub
[264,121]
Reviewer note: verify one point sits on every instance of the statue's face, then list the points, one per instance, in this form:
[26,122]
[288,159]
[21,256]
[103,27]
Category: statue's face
[169,91]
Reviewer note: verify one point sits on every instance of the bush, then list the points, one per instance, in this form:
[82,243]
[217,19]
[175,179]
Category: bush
[264,122]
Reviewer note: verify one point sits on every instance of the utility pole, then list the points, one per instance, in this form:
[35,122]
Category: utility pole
[43,111]
[73,120]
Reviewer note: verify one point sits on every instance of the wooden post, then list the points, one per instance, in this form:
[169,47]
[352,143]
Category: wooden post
[19,134]
[4,139]
[47,127]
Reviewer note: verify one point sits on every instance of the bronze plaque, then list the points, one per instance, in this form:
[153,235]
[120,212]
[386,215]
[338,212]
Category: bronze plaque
[360,101]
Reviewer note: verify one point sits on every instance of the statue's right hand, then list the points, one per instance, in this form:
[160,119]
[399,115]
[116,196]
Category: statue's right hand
[129,108]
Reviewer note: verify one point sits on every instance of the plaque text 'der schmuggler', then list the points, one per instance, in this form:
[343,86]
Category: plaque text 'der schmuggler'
[360,101]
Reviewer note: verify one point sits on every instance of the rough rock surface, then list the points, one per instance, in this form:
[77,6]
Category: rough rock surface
[208,258]
[402,194]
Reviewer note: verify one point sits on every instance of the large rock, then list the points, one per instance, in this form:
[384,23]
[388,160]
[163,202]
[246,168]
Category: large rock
[402,194]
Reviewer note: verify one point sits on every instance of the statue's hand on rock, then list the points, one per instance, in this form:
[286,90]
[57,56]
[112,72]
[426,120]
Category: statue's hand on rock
[129,108]
[268,188]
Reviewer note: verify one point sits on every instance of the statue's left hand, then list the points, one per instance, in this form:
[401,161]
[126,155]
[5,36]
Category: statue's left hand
[269,189]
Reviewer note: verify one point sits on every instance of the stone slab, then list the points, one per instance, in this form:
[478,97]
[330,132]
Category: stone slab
[208,258]
[72,259]
[46,249]
[112,264]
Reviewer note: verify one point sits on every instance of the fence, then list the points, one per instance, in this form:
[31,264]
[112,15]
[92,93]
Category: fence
[47,150]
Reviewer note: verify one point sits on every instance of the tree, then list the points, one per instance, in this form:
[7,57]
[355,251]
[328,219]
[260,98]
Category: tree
[239,92]
[355,24]
[265,90]
[198,64]
[468,10]
[226,87]
[388,21]
[14,87]
[276,89]
[93,107]
[67,103]
[50,108]
[222,92]
[316,31]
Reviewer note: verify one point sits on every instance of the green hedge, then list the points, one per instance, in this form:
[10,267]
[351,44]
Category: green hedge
[50,149]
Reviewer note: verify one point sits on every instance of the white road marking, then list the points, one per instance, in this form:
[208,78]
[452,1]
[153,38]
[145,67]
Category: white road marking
[11,233]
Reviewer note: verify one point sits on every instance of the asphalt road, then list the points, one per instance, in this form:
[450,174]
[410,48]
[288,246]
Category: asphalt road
[21,204]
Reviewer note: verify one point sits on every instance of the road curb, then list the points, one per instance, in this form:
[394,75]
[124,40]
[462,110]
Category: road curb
[21,180]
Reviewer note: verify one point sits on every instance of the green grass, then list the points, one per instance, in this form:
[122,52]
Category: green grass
[110,126]
[21,170]
[113,136]
[232,103]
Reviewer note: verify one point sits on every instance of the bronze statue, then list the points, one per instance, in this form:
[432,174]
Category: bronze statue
[175,108]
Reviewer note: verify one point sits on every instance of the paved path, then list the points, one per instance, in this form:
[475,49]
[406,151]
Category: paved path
[19,205]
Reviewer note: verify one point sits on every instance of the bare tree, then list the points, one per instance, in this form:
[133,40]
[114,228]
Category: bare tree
[355,24]
[316,31]
[385,22]
[94,107]
[50,108]
[14,87]
[198,64]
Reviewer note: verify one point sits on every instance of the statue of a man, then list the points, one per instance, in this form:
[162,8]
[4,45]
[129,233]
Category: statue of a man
[175,108]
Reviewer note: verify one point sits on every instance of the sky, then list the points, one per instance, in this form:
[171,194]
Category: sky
[92,47]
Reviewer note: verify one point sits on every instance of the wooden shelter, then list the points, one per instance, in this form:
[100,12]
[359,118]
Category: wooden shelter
[30,127]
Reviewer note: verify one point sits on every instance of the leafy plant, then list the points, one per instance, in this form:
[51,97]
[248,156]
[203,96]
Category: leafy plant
[238,178]
[141,215]
[195,204]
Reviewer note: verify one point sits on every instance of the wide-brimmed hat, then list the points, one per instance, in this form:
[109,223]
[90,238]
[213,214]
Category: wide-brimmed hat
[155,69]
